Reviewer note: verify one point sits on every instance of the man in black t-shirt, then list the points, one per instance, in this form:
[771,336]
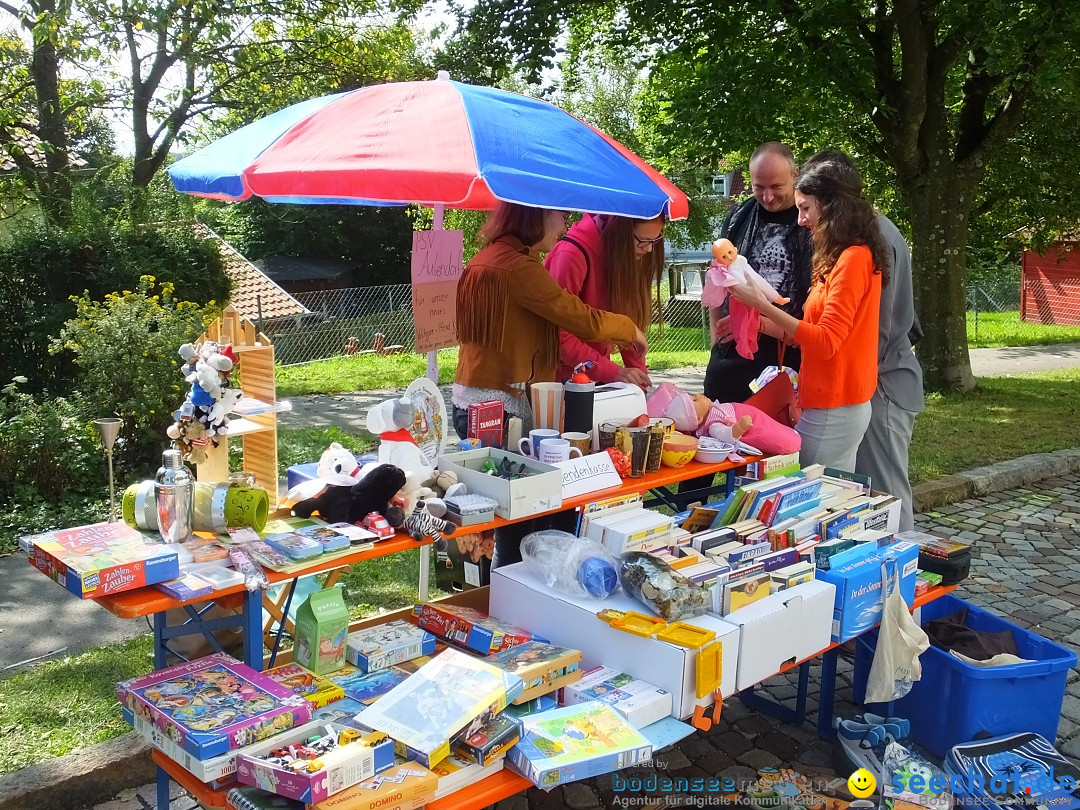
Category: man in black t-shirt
[765,229]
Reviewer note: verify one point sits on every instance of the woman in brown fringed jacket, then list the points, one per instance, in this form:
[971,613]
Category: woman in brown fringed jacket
[509,313]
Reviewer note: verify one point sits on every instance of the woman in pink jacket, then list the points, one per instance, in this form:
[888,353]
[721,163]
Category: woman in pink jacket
[610,263]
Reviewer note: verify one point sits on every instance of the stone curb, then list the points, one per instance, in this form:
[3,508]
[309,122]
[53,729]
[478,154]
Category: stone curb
[84,778]
[1004,475]
[80,779]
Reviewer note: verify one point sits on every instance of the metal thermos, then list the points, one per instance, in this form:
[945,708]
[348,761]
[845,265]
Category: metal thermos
[578,406]
[173,492]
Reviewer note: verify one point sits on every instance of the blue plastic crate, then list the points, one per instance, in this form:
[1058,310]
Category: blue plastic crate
[956,702]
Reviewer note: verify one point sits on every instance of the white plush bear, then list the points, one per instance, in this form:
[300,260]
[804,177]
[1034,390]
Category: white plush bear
[337,461]
[390,421]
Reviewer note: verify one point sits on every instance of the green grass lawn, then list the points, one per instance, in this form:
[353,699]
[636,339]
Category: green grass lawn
[991,329]
[669,347]
[64,705]
[1004,418]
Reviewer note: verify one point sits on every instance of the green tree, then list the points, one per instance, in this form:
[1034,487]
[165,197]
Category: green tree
[43,116]
[939,93]
[190,58]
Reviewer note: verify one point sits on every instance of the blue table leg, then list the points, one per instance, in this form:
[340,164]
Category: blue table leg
[281,624]
[252,624]
[827,696]
[162,789]
[161,652]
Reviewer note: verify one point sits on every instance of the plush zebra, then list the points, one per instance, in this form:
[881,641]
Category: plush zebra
[422,523]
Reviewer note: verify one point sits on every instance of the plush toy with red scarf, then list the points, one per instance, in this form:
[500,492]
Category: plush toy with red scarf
[390,421]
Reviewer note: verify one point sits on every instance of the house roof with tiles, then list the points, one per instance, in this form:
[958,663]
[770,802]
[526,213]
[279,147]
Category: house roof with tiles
[254,294]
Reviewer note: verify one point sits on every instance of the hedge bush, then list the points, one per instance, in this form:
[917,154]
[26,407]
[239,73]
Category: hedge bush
[45,266]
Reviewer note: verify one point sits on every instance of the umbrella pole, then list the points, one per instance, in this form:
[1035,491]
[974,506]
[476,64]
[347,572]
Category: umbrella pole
[433,375]
[433,357]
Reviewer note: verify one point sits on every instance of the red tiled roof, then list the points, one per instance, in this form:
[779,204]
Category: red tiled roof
[254,294]
[30,146]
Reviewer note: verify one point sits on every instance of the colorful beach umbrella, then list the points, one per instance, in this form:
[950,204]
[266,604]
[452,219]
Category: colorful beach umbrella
[436,143]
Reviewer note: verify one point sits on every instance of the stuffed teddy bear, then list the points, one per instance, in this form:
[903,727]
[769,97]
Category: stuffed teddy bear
[390,421]
[337,461]
[424,522]
[351,504]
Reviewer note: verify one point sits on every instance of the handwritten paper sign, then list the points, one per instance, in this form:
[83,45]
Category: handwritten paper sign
[436,268]
[584,474]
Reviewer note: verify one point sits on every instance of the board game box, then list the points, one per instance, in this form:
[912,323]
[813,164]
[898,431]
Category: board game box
[216,771]
[102,559]
[640,703]
[367,687]
[306,683]
[387,644]
[543,667]
[438,701]
[458,771]
[487,739]
[342,767]
[576,742]
[470,628]
[213,704]
[408,786]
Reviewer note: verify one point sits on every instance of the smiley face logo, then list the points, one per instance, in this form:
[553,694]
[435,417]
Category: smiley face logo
[862,783]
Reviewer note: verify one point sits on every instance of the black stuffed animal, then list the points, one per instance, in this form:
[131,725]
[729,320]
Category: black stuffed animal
[352,504]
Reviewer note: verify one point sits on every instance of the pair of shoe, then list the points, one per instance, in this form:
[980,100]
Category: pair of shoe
[862,741]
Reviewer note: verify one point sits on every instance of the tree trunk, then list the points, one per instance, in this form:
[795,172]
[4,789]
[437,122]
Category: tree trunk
[941,202]
[54,184]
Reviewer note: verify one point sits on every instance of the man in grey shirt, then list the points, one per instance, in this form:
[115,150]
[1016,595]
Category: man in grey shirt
[883,453]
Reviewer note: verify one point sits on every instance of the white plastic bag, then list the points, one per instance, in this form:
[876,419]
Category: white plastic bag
[900,643]
[573,565]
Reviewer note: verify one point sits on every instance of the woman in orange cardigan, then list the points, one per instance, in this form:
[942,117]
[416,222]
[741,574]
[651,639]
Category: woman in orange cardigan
[838,333]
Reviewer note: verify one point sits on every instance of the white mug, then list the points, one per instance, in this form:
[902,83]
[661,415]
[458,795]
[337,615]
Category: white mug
[554,451]
[531,446]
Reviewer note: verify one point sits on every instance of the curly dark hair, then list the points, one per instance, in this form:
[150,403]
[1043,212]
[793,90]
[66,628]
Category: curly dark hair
[846,216]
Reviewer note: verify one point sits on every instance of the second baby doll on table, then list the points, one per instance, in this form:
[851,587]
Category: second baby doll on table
[731,422]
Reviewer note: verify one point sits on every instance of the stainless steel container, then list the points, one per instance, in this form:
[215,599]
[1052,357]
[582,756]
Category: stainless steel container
[173,488]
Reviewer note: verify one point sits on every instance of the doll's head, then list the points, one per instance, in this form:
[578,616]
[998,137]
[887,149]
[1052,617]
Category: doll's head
[724,251]
[702,404]
[670,401]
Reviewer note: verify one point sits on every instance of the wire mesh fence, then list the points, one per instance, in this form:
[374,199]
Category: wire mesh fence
[379,320]
[1024,311]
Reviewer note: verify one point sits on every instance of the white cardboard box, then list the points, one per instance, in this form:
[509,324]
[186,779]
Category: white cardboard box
[791,625]
[518,597]
[519,498]
[640,703]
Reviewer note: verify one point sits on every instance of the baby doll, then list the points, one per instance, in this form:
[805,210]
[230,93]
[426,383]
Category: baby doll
[733,422]
[727,269]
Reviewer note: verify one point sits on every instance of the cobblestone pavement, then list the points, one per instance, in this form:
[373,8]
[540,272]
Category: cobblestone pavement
[1025,568]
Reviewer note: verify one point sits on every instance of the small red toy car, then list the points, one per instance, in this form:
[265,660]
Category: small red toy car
[374,522]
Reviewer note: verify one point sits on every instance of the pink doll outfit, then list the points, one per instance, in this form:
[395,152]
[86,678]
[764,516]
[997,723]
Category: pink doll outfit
[745,320]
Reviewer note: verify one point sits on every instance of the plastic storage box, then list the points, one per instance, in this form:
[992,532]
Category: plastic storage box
[955,702]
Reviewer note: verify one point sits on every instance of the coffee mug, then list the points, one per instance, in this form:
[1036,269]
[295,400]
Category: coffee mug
[556,450]
[582,441]
[529,446]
